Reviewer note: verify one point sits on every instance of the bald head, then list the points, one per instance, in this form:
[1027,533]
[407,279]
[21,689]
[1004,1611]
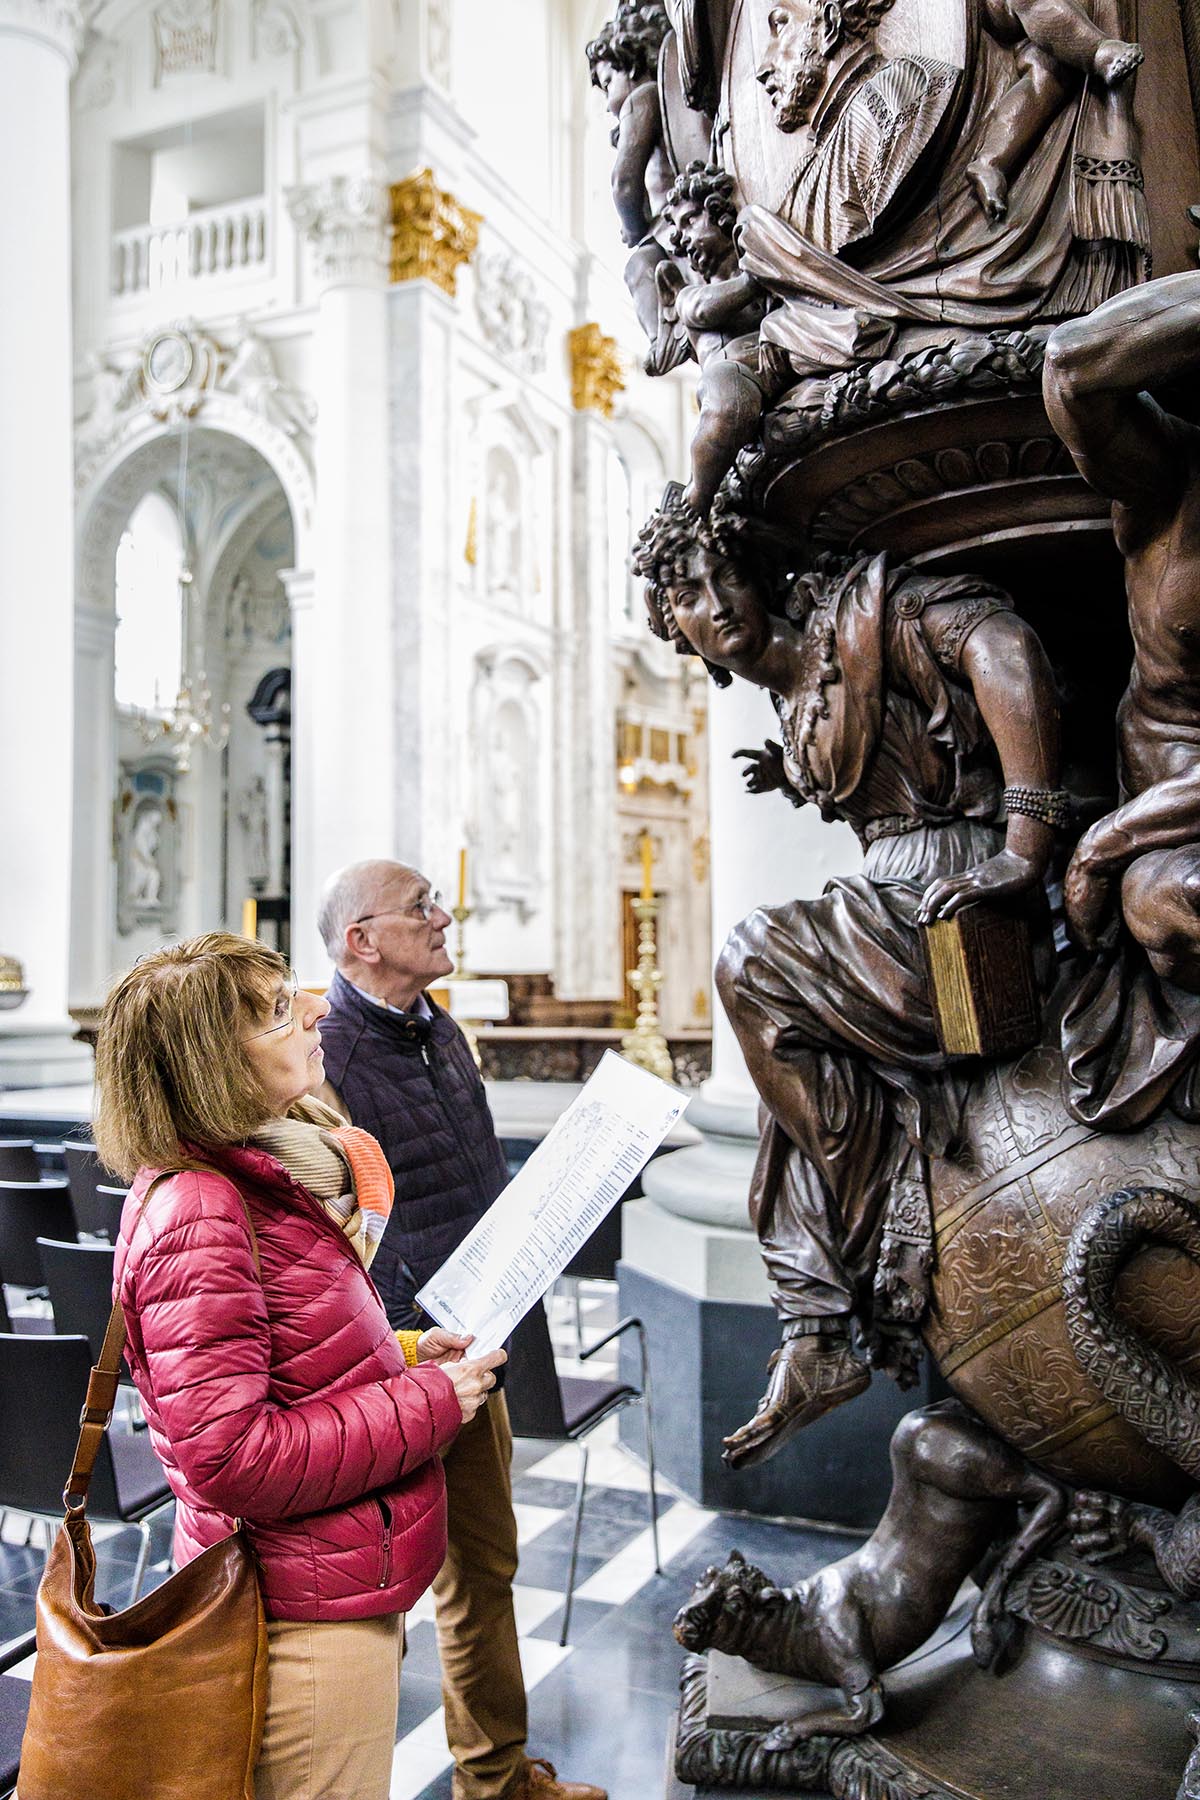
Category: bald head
[383,930]
[354,893]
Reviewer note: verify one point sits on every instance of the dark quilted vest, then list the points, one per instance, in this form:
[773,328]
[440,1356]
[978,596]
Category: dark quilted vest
[413,1083]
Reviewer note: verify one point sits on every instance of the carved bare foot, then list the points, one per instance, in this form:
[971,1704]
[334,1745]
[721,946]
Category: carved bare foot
[1115,61]
[1099,1525]
[991,189]
[808,1376]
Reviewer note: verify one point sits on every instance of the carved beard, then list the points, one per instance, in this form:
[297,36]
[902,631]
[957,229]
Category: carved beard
[809,73]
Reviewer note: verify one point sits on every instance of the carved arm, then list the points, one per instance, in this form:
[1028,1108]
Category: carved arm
[1095,372]
[639,129]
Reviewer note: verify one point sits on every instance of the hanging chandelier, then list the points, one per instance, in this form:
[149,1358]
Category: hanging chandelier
[193,719]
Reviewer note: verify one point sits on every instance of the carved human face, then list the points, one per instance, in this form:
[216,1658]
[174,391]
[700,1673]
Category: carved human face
[705,245]
[803,35]
[719,610]
[616,84]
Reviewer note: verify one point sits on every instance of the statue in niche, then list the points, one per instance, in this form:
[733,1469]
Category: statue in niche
[145,875]
[623,60]
[251,375]
[1131,1034]
[256,833]
[909,706]
[1053,40]
[502,524]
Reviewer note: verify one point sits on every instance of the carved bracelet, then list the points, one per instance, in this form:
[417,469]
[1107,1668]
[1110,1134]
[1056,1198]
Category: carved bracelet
[1051,806]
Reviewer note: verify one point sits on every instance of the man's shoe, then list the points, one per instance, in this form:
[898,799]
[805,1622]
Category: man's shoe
[538,1780]
[809,1376]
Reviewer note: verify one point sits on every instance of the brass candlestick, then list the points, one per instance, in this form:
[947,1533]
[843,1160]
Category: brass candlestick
[645,1045]
[460,914]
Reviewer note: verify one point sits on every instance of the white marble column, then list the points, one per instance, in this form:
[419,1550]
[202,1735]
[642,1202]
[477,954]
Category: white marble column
[344,688]
[38,47]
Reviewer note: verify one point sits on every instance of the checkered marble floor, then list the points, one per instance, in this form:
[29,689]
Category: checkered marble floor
[599,1707]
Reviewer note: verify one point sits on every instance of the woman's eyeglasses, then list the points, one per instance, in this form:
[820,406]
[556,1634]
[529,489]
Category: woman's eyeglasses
[285,1009]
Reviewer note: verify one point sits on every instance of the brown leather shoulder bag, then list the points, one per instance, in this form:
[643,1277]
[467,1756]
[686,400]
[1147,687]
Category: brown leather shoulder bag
[163,1701]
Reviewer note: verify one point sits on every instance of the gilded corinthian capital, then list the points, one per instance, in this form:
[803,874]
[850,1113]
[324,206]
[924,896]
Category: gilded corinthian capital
[597,374]
[345,220]
[432,233]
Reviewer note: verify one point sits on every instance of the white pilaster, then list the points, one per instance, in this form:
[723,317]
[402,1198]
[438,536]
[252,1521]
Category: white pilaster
[343,681]
[38,42]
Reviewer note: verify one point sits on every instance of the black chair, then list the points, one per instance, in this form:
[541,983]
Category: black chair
[565,1408]
[29,1210]
[14,1708]
[86,1175]
[18,1160]
[80,1280]
[42,1382]
[107,1203]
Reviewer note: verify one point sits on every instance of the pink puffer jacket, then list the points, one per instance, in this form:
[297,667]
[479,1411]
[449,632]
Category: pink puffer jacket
[284,1401]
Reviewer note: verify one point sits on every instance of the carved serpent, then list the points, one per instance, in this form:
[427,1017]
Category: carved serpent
[1157,1396]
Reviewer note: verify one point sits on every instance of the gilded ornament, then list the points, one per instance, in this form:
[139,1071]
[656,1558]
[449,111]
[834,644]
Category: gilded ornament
[597,372]
[432,234]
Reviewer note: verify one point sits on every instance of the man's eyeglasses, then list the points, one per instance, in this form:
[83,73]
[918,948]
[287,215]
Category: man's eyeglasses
[285,1009]
[424,908]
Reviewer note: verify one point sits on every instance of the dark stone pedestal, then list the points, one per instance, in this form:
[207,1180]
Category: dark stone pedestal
[708,1360]
[1073,1719]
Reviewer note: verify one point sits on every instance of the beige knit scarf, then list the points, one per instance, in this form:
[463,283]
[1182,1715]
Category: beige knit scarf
[340,1165]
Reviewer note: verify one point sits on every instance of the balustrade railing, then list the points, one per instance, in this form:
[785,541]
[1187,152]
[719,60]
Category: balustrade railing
[216,241]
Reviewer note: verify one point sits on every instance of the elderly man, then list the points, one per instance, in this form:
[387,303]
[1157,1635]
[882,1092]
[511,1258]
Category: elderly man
[398,1065]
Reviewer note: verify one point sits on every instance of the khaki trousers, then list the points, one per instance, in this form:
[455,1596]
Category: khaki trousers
[332,1695]
[482,1686]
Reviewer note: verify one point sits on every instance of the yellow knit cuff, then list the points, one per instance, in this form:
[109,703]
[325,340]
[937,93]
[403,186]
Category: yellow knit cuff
[407,1341]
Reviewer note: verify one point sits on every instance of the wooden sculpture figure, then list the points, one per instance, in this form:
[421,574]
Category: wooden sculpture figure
[1055,41]
[1132,1034]
[955,1490]
[624,65]
[908,706]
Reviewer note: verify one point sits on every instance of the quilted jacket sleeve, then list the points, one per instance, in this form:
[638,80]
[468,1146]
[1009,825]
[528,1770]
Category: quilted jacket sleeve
[199,1326]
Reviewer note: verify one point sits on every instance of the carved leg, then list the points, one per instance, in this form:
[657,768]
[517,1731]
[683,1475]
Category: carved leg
[1016,125]
[860,1712]
[990,1639]
[1104,1525]
[731,406]
[1160,898]
[813,1371]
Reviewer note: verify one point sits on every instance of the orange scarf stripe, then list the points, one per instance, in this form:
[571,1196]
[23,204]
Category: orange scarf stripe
[374,1188]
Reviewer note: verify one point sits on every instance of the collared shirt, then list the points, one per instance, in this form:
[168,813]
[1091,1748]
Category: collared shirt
[419,1009]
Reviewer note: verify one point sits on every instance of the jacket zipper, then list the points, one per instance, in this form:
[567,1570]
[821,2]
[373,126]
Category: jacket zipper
[386,1512]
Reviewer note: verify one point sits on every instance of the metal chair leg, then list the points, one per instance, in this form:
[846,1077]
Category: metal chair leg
[649,1419]
[575,1283]
[139,1568]
[580,1492]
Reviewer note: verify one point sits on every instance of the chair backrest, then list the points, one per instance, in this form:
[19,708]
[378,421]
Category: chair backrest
[30,1210]
[18,1160]
[43,1381]
[80,1280]
[86,1173]
[109,1205]
[531,1385]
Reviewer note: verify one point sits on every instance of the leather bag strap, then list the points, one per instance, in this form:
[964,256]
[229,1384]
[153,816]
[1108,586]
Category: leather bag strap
[96,1416]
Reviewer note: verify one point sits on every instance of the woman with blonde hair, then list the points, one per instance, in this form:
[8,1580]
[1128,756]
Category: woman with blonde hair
[275,1392]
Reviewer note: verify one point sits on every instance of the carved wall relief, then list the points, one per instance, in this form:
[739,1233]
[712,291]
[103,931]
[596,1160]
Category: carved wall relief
[507,738]
[185,38]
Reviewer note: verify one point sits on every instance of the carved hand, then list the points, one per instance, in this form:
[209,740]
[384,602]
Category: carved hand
[1088,893]
[764,770]
[1001,877]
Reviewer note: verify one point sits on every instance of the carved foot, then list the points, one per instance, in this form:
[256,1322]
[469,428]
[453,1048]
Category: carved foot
[860,1713]
[991,190]
[1115,61]
[1099,1525]
[808,1376]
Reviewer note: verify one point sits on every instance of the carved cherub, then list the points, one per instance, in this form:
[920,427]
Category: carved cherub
[624,62]
[720,313]
[1054,40]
